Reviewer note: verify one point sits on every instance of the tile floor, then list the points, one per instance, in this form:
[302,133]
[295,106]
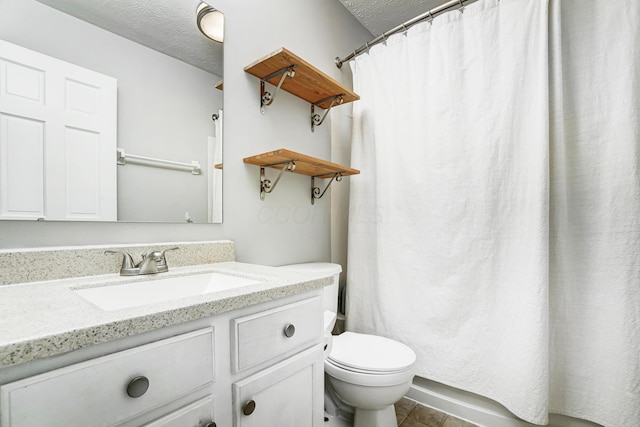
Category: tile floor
[411,414]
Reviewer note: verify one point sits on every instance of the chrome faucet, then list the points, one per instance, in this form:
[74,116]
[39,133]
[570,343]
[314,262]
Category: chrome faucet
[151,263]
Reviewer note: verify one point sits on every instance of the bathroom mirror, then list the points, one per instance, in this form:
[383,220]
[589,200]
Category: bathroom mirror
[169,98]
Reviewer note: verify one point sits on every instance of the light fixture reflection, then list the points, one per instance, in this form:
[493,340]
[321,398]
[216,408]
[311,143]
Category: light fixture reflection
[210,22]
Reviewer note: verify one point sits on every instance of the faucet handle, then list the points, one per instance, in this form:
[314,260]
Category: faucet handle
[154,262]
[128,267]
[162,260]
[168,249]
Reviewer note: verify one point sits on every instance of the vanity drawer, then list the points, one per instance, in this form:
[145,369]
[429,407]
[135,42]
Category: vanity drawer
[273,334]
[99,392]
[197,414]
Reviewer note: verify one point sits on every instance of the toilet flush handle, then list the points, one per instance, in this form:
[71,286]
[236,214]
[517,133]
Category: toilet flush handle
[289,330]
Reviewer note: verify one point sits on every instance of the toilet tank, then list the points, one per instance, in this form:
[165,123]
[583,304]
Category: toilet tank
[330,293]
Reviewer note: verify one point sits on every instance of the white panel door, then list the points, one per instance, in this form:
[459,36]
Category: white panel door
[77,111]
[22,119]
[21,168]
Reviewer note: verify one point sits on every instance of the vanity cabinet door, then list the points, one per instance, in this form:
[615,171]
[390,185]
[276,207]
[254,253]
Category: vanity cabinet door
[288,394]
[112,389]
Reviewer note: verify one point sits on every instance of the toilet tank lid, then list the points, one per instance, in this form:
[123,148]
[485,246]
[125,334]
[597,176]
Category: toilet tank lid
[316,267]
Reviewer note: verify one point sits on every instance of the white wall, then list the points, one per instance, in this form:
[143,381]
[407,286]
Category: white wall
[341,154]
[285,228]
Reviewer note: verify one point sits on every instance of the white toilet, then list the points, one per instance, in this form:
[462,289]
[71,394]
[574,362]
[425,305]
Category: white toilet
[368,372]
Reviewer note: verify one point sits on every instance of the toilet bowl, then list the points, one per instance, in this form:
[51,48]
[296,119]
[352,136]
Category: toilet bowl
[368,373]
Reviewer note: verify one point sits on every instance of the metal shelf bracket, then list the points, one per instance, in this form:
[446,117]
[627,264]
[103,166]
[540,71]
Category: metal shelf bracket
[315,191]
[266,98]
[266,186]
[316,120]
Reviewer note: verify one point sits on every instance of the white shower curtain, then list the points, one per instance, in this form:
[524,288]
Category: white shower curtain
[214,177]
[495,227]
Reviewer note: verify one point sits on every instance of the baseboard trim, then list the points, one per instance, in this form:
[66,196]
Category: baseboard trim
[477,409]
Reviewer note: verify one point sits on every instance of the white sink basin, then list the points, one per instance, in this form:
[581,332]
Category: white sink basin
[115,297]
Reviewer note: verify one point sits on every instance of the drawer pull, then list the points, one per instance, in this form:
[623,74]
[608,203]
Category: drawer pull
[249,407]
[138,386]
[289,330]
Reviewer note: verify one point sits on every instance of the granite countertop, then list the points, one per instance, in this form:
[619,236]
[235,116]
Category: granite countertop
[42,319]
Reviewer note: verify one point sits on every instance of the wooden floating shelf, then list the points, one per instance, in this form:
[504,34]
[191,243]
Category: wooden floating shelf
[309,83]
[289,72]
[305,165]
[290,161]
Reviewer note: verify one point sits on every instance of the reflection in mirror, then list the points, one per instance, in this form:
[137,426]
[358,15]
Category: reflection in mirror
[162,74]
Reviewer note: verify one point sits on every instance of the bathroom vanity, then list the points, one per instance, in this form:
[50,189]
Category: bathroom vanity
[242,356]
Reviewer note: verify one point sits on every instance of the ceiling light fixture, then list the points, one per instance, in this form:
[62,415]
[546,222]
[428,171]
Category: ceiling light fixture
[210,22]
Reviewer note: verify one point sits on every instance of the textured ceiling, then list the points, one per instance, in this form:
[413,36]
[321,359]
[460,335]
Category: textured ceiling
[379,16]
[168,26]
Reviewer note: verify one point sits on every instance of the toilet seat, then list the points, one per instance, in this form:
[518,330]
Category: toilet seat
[370,354]
[368,379]
[370,360]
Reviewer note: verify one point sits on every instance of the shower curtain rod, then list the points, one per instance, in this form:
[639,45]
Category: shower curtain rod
[429,15]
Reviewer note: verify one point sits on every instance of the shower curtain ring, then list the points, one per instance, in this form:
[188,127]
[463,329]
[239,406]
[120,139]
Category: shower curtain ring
[461,8]
[430,18]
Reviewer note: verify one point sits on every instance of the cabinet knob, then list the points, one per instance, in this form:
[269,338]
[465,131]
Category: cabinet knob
[289,330]
[249,407]
[138,386]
